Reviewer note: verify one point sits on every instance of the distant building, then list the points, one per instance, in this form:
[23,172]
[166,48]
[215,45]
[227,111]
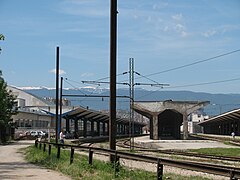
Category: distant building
[35,112]
[193,120]
[29,116]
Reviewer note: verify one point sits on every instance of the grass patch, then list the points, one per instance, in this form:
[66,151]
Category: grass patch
[80,169]
[218,151]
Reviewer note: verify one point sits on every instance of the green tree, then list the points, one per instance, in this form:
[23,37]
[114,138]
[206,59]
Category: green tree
[1,38]
[7,109]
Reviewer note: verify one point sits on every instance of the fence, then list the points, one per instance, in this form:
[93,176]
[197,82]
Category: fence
[227,171]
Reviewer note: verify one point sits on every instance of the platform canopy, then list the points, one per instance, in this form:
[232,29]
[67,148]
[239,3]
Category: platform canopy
[167,116]
[228,116]
[92,115]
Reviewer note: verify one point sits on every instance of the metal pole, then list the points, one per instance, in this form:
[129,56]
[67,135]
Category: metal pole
[131,82]
[61,87]
[113,58]
[130,105]
[57,89]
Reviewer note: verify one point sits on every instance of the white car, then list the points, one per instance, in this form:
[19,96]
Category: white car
[37,133]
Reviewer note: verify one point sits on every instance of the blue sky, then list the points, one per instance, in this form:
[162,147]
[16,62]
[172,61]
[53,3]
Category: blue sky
[158,34]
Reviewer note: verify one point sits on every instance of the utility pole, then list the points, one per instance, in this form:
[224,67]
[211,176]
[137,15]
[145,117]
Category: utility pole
[131,91]
[57,89]
[113,64]
[61,89]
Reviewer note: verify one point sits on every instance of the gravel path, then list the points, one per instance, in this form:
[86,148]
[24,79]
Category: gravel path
[13,165]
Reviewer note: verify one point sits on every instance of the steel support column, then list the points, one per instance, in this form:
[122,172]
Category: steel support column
[131,87]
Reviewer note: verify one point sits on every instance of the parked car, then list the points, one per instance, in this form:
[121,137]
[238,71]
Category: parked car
[37,133]
[34,133]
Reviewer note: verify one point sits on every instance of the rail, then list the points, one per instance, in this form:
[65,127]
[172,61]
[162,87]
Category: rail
[125,144]
[227,171]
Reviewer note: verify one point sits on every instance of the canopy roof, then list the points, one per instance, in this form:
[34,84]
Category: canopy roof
[92,115]
[228,116]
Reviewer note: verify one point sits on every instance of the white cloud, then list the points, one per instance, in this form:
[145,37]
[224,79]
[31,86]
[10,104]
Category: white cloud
[166,29]
[159,6]
[181,29]
[87,74]
[177,17]
[86,8]
[184,33]
[209,33]
[61,72]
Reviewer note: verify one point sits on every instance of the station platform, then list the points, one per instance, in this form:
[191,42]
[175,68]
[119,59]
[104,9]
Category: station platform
[145,141]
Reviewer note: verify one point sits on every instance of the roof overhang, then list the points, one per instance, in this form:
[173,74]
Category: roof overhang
[92,115]
[228,116]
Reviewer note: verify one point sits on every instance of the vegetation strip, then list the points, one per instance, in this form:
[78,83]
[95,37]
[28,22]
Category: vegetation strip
[228,171]
[80,169]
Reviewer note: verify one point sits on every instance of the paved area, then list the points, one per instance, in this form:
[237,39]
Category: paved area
[179,144]
[13,166]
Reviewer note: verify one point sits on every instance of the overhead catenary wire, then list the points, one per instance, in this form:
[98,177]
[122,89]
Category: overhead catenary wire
[147,78]
[191,85]
[194,63]
[66,81]
[88,95]
[205,83]
[187,65]
[180,67]
[109,77]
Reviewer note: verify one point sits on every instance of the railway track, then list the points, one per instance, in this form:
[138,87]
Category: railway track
[125,145]
[217,169]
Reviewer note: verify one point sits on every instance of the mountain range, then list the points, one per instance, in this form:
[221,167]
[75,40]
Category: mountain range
[219,103]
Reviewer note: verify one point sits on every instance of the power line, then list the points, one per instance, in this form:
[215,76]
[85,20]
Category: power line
[147,78]
[194,63]
[206,83]
[109,77]
[66,81]
[171,69]
[73,81]
[191,85]
[84,99]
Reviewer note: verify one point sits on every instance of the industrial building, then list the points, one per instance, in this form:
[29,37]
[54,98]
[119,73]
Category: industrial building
[29,116]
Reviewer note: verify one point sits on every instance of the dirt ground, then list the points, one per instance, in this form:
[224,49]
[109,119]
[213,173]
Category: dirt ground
[13,166]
